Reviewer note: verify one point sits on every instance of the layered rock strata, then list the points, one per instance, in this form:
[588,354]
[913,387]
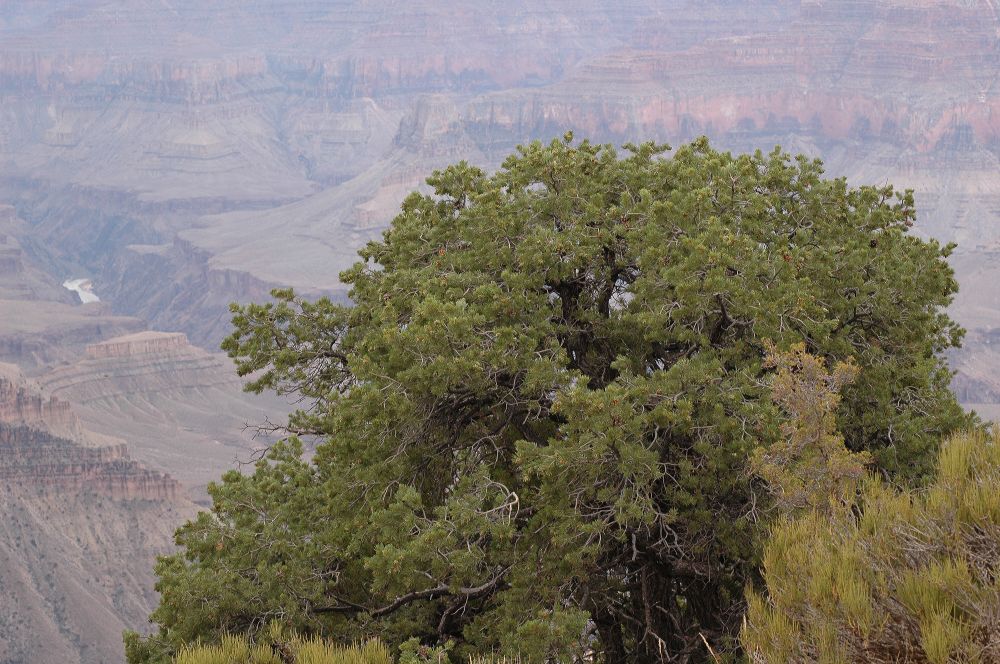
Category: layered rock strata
[141,343]
[82,524]
[181,408]
[35,461]
[213,150]
[43,447]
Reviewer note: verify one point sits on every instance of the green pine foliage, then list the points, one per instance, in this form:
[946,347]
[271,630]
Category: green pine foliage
[901,576]
[538,414]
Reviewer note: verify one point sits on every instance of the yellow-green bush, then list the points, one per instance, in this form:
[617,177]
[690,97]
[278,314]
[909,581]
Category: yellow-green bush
[233,649]
[239,650]
[896,577]
[495,659]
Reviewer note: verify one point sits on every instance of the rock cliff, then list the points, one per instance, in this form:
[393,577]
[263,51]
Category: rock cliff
[181,408]
[86,494]
[133,345]
[83,522]
[43,446]
[37,462]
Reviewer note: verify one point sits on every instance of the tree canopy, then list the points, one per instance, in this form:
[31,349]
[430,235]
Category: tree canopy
[538,412]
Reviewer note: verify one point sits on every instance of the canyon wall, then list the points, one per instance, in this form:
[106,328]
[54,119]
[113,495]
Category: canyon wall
[123,126]
[83,523]
[95,417]
[106,374]
[77,571]
[40,321]
[44,447]
[211,151]
[181,408]
[37,462]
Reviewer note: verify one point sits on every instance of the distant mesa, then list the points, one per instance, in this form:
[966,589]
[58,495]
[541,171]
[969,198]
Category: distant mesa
[140,343]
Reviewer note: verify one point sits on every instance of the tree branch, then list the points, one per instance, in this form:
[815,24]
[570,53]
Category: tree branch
[442,590]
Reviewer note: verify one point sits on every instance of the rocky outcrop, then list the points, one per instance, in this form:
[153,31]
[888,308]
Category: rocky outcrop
[41,332]
[19,277]
[82,524]
[11,261]
[20,406]
[146,362]
[172,401]
[34,461]
[85,511]
[58,340]
[43,447]
[205,51]
[142,343]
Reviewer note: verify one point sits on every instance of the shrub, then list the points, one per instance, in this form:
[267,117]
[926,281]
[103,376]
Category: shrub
[899,576]
[239,650]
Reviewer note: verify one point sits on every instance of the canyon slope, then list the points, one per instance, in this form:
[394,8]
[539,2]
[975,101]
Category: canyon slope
[109,433]
[83,523]
[181,408]
[40,321]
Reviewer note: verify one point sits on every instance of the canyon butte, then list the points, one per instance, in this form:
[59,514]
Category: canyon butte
[182,155]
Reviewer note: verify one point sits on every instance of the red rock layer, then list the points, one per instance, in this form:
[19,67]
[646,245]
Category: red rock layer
[35,461]
[35,455]
[18,405]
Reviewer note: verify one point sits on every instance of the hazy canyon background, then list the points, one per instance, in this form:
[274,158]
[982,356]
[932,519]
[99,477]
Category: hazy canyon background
[183,154]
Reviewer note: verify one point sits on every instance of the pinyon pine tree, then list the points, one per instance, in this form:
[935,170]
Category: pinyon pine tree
[538,412]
